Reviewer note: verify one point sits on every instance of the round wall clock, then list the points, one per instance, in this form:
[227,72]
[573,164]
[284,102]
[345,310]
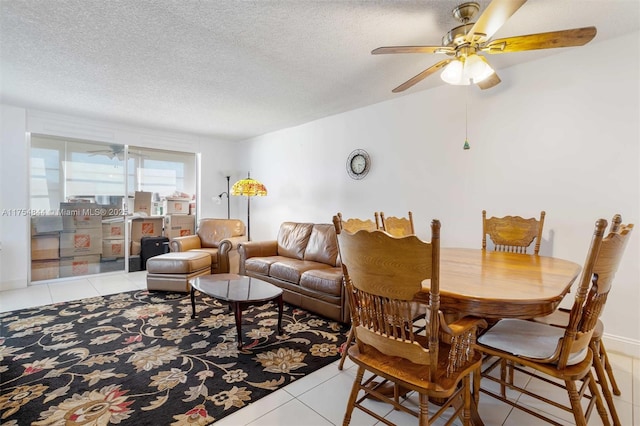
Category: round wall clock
[358,164]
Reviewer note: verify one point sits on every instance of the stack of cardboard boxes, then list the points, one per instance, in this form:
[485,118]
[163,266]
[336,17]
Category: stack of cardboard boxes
[178,222]
[113,237]
[143,226]
[81,240]
[45,247]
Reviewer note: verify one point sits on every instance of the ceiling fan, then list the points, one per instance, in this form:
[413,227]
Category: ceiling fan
[464,43]
[115,151]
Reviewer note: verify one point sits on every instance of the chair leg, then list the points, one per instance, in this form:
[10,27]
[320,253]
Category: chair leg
[476,384]
[506,376]
[607,366]
[602,379]
[466,411]
[423,419]
[346,348]
[576,406]
[352,397]
[595,393]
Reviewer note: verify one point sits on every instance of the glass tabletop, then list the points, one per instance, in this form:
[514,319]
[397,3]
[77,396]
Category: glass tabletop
[235,288]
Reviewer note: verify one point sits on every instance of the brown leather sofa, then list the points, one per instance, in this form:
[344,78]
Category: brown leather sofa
[219,238]
[304,262]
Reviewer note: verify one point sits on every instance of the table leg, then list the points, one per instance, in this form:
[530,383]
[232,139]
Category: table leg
[237,311]
[193,303]
[280,308]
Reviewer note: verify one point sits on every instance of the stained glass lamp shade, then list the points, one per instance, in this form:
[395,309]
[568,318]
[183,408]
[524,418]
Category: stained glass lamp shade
[249,188]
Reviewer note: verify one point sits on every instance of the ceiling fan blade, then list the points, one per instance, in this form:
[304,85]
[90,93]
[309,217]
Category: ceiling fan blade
[424,74]
[412,49]
[489,82]
[493,17]
[550,40]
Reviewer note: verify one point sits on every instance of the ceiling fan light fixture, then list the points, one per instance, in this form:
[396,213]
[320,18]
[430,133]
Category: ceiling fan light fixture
[466,70]
[453,73]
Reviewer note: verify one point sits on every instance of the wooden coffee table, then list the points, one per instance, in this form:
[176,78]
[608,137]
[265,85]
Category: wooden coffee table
[240,291]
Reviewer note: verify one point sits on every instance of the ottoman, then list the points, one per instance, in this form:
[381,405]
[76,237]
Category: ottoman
[172,271]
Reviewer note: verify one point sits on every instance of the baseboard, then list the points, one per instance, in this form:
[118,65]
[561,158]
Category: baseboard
[623,345]
[13,284]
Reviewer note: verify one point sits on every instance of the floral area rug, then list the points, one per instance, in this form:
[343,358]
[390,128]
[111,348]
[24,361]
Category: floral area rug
[139,358]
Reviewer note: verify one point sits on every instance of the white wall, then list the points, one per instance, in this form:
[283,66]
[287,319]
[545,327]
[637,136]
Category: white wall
[560,134]
[14,198]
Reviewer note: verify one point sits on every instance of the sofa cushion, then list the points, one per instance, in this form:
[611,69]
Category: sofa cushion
[326,280]
[261,265]
[323,244]
[291,269]
[293,238]
[212,231]
[178,263]
[213,252]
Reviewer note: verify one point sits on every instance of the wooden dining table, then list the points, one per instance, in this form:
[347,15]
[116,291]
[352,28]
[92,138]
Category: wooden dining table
[492,284]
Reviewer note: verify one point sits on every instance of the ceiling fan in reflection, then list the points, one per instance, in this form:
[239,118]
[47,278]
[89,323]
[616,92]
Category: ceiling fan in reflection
[116,151]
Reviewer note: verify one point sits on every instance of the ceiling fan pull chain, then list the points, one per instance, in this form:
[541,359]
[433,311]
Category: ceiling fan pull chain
[466,120]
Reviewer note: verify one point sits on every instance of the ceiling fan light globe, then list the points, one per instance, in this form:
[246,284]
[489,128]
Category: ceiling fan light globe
[476,69]
[454,74]
[466,70]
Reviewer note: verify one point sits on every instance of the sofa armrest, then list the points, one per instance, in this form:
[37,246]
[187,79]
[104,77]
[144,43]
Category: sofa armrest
[250,249]
[226,246]
[188,242]
[231,243]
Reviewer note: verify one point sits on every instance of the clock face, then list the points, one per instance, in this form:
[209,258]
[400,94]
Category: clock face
[358,164]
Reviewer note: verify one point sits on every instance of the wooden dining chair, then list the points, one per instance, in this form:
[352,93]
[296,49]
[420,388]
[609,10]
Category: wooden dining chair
[382,274]
[401,227]
[601,364]
[512,233]
[562,353]
[397,226]
[352,225]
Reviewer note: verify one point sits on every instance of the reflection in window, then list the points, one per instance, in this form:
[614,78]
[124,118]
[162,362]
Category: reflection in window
[66,170]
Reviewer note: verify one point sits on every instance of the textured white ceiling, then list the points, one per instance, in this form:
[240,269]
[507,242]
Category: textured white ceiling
[237,69]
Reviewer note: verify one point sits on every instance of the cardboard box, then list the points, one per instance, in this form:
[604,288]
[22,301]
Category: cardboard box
[113,229]
[142,202]
[81,242]
[80,215]
[176,206]
[45,247]
[45,224]
[179,225]
[135,248]
[113,248]
[45,270]
[146,227]
[79,265]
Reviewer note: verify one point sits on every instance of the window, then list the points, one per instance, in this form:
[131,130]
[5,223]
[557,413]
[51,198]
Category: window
[67,170]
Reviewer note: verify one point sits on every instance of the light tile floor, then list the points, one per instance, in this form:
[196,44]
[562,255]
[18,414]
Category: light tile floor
[320,398]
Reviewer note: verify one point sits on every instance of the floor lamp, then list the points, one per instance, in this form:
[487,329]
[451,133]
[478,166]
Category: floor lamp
[249,188]
[227,194]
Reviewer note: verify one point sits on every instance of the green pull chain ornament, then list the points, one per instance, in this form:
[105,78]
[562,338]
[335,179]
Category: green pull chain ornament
[466,145]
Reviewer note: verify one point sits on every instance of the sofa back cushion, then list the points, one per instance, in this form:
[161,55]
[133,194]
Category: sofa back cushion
[212,231]
[293,238]
[323,244]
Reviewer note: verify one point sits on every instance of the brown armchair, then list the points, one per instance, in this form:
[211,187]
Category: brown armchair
[219,238]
